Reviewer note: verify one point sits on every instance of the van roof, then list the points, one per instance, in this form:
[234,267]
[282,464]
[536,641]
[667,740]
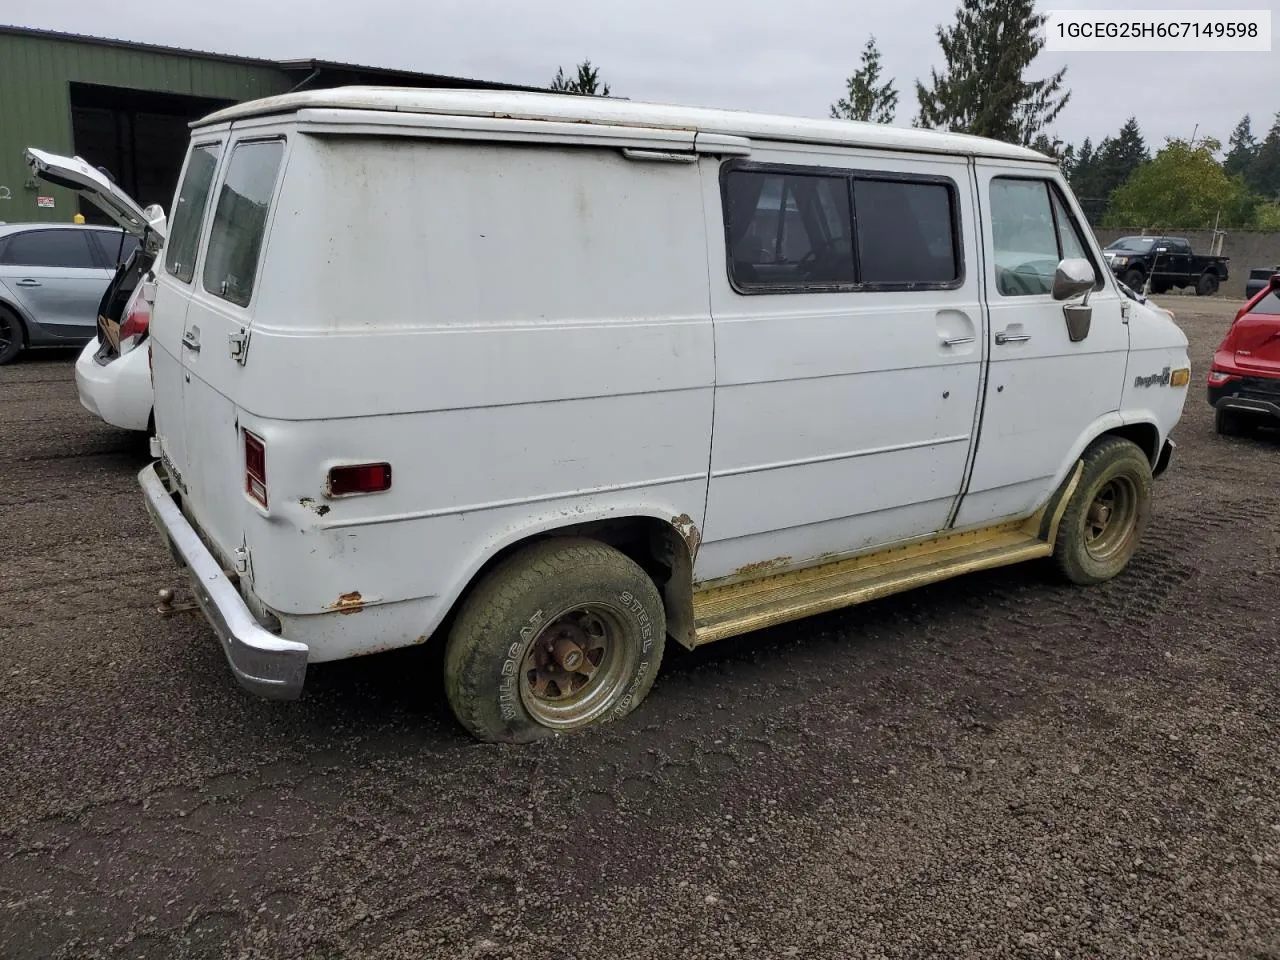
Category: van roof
[605,111]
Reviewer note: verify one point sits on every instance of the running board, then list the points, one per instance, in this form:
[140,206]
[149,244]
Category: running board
[722,611]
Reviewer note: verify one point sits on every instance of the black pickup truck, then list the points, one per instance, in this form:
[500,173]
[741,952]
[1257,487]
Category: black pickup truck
[1169,262]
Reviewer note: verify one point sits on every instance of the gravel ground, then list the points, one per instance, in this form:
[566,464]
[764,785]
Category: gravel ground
[995,766]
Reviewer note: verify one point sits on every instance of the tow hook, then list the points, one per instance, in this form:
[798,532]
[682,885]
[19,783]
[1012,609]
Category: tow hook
[167,608]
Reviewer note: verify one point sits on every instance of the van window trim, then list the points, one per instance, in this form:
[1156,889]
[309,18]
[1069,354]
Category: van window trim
[1052,189]
[197,266]
[206,232]
[849,175]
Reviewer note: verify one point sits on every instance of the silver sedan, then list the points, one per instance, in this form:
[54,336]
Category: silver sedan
[52,278]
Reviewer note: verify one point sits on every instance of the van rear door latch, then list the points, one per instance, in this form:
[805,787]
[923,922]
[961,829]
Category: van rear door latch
[239,346]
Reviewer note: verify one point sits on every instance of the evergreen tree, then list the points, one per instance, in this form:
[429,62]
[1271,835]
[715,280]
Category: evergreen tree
[1264,172]
[1049,146]
[982,89]
[1118,157]
[867,98]
[1242,149]
[586,81]
[1082,169]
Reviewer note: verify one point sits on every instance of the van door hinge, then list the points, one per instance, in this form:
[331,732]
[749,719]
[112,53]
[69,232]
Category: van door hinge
[1124,311]
[239,346]
[241,560]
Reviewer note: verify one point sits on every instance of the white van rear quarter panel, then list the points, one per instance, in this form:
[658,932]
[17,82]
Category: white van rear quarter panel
[522,332]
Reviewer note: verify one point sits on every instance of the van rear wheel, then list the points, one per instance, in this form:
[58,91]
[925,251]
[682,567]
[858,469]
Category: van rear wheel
[1107,514]
[561,635]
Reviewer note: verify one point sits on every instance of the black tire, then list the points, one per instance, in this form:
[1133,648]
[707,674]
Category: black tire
[1229,423]
[1089,549]
[1133,279]
[1159,288]
[1207,285]
[502,676]
[12,336]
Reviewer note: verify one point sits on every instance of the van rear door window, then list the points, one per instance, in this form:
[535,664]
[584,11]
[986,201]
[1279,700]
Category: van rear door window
[240,220]
[188,213]
[906,234]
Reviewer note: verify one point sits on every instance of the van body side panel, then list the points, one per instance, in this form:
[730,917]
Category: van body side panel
[523,333]
[843,419]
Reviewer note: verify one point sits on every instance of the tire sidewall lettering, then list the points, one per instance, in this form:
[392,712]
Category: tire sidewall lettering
[508,670]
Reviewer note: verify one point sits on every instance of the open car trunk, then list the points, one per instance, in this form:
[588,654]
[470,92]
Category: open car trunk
[92,183]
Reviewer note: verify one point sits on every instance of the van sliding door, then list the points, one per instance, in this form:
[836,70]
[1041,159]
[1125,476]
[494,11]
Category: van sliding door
[847,309]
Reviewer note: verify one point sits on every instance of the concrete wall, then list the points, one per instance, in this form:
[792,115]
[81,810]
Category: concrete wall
[1246,248]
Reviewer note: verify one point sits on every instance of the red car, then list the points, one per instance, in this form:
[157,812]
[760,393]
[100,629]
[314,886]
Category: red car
[1244,380]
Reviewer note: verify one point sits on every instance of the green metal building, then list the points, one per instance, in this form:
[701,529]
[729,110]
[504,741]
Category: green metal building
[126,107]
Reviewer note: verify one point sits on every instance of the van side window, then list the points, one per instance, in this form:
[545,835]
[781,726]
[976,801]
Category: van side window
[806,231]
[1069,240]
[1033,231]
[788,231]
[240,220]
[906,233]
[188,213]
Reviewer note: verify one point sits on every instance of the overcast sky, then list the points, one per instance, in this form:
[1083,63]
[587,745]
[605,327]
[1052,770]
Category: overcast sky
[788,56]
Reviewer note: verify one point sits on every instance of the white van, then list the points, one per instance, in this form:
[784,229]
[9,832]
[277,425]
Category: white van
[563,377]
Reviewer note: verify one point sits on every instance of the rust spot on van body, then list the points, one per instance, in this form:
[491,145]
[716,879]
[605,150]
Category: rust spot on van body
[319,509]
[349,603]
[688,531]
[761,567]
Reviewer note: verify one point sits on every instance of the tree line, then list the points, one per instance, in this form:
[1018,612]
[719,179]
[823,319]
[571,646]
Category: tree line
[983,89]
[1187,183]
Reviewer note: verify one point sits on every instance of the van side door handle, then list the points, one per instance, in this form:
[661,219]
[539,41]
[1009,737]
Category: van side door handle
[1002,338]
[28,283]
[191,340]
[957,341]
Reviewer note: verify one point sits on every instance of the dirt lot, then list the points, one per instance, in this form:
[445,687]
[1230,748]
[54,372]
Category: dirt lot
[996,766]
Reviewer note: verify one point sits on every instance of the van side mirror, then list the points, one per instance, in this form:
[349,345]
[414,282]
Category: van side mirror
[1073,277]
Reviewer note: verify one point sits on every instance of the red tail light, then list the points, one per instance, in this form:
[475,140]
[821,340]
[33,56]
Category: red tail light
[137,320]
[362,478]
[255,467]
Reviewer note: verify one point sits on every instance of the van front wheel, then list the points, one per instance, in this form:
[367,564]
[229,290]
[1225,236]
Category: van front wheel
[560,635]
[1107,514]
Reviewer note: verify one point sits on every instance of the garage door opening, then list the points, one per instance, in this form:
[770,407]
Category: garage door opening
[139,136]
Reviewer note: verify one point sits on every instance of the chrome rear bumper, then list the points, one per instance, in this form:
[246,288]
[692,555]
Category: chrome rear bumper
[262,662]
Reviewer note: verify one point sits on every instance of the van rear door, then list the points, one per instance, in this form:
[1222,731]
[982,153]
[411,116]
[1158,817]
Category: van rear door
[214,343]
[174,280]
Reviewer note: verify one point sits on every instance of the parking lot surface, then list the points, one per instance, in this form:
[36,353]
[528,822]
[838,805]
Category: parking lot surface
[995,766]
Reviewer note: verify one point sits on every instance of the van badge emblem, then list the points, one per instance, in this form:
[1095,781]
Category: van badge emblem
[1152,380]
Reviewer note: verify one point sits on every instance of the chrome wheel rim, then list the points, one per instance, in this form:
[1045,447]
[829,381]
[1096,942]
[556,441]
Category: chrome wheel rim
[576,667]
[1111,519]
